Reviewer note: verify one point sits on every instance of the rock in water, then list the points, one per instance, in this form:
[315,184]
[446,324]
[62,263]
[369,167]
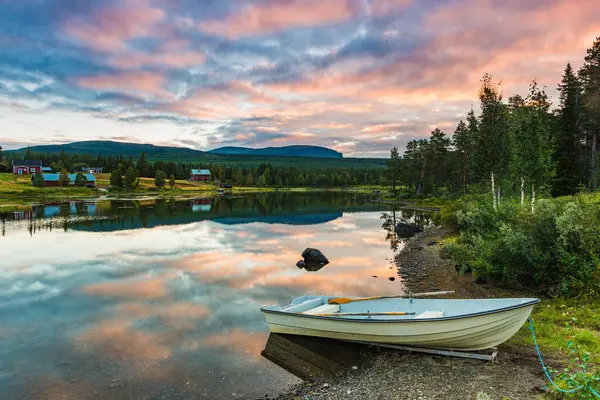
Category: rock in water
[314,260]
[301,264]
[406,230]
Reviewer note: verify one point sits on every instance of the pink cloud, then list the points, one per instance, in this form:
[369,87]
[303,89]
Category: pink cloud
[111,27]
[384,7]
[274,16]
[140,82]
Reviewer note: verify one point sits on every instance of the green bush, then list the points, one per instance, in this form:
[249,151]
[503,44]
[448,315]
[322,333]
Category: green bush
[556,249]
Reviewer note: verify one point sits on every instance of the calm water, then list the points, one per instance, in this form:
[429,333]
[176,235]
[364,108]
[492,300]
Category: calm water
[160,298]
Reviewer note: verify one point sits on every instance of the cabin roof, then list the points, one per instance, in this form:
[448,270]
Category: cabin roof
[55,177]
[200,172]
[27,162]
[94,168]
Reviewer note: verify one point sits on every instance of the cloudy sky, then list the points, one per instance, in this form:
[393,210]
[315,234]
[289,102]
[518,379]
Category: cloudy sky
[359,76]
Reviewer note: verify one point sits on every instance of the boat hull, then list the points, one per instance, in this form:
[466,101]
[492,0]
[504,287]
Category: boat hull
[476,332]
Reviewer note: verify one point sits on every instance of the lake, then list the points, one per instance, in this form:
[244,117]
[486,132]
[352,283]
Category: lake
[160,298]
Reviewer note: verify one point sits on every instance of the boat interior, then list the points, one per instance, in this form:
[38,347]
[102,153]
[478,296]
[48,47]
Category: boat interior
[393,308]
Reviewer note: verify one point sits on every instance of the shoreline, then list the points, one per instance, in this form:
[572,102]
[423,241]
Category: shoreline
[395,374]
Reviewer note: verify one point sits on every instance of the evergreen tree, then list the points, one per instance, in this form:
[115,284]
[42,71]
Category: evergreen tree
[38,179]
[249,180]
[116,177]
[131,179]
[63,177]
[568,135]
[438,146]
[262,182]
[590,80]
[172,181]
[531,141]
[160,180]
[80,179]
[461,140]
[490,145]
[143,166]
[394,167]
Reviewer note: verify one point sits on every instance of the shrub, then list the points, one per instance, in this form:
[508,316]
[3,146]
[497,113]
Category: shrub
[160,179]
[557,249]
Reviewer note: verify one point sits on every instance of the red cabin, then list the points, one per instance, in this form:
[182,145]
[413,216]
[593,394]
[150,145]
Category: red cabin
[26,167]
[202,175]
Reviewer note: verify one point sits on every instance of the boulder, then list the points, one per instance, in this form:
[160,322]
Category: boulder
[406,230]
[300,264]
[314,260]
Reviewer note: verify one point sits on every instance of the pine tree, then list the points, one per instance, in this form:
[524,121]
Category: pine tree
[490,145]
[394,167]
[160,180]
[172,181]
[590,80]
[143,166]
[63,177]
[80,179]
[38,179]
[116,177]
[438,146]
[531,141]
[461,140]
[131,179]
[568,135]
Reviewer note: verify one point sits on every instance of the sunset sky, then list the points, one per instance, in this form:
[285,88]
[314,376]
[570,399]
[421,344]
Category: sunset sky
[359,76]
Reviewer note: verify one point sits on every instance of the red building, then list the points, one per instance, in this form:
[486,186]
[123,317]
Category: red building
[202,175]
[24,167]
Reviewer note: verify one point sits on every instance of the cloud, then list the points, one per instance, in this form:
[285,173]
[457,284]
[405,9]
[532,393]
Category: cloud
[141,82]
[111,27]
[278,15]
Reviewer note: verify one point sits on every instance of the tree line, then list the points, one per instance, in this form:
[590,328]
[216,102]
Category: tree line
[125,171]
[517,146]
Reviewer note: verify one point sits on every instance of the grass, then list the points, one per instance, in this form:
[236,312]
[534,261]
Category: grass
[18,191]
[551,319]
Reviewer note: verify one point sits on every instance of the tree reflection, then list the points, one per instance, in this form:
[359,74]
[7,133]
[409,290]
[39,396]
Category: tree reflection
[389,225]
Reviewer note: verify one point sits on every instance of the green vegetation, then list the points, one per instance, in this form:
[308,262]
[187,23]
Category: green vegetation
[568,328]
[555,250]
[80,179]
[160,180]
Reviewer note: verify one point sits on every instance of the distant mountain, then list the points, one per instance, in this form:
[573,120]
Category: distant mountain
[111,148]
[285,151]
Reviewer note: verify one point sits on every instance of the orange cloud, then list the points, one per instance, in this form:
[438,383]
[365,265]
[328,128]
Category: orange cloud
[274,16]
[117,340]
[140,82]
[182,59]
[238,341]
[112,26]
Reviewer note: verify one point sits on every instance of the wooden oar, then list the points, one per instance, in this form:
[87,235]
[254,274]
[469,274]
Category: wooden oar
[346,300]
[364,313]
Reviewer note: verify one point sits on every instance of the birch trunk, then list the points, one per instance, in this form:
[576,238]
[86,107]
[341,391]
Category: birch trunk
[499,196]
[532,198]
[522,191]
[494,192]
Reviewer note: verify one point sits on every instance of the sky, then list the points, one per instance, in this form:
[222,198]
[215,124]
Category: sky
[358,76]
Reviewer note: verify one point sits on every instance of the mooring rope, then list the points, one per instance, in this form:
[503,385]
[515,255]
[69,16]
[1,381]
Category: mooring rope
[537,349]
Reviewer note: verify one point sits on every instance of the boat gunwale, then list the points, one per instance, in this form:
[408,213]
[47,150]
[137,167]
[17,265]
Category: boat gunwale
[404,320]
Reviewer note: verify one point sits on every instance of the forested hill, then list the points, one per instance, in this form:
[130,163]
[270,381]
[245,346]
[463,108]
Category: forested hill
[285,151]
[110,148]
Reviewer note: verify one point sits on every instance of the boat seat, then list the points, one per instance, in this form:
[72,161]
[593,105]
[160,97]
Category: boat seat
[305,305]
[323,309]
[430,314]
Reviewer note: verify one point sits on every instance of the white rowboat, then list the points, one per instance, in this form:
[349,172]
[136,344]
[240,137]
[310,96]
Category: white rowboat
[463,325]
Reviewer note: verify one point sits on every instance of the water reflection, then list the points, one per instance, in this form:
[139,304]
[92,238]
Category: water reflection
[156,298]
[311,357]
